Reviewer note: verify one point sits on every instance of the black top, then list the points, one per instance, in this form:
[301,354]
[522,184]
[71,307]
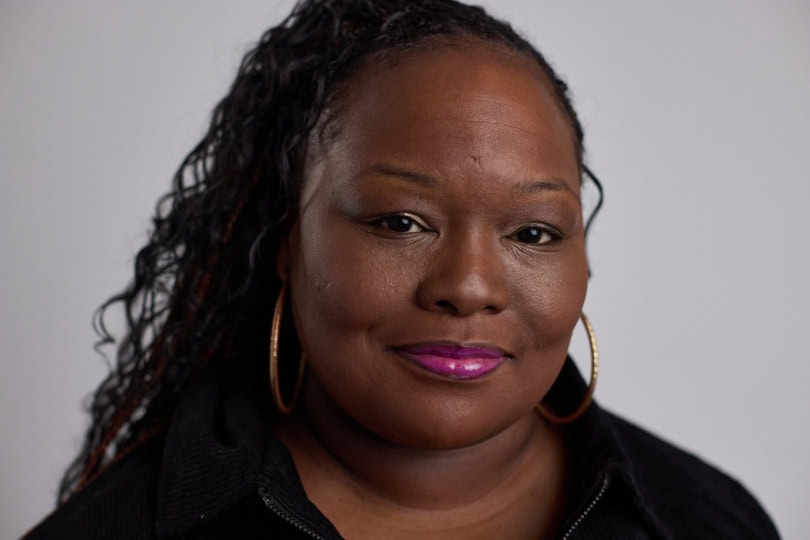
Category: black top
[220,473]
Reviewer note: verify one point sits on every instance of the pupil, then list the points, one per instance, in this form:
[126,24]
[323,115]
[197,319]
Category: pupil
[401,224]
[531,235]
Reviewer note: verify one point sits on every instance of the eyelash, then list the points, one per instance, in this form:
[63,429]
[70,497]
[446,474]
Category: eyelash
[388,221]
[551,234]
[407,221]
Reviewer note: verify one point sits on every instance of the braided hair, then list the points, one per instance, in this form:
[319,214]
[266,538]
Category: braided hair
[205,281]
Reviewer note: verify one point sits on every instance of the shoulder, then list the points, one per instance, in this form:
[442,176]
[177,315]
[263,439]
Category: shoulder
[118,504]
[690,497]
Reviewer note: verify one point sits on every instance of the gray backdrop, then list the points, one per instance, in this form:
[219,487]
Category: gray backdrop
[697,116]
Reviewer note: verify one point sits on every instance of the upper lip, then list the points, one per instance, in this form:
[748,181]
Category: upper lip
[452,349]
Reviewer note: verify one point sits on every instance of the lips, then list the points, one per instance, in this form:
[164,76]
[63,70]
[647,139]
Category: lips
[454,361]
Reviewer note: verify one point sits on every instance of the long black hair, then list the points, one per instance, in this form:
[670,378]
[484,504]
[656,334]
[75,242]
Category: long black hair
[205,281]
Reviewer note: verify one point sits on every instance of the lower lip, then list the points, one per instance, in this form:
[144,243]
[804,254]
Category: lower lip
[454,368]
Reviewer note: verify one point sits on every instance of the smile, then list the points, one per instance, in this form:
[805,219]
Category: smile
[454,361]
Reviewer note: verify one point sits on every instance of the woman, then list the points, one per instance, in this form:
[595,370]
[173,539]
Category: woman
[387,205]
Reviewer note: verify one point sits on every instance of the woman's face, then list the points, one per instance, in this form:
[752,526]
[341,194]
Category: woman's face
[437,268]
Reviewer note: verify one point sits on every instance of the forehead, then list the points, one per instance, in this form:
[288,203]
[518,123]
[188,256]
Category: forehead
[442,105]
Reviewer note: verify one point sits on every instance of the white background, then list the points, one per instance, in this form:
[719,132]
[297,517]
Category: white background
[697,118]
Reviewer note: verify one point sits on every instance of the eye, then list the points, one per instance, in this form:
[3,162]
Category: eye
[400,223]
[535,234]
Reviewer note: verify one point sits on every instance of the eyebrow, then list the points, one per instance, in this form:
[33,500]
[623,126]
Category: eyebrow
[524,188]
[386,169]
[537,186]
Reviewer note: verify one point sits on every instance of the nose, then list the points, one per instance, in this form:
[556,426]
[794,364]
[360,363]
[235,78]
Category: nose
[465,278]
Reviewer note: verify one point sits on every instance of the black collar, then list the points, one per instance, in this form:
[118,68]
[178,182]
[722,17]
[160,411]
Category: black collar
[219,451]
[597,454]
[212,455]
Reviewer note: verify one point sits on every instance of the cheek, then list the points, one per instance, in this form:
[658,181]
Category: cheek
[567,287]
[343,286]
[551,301]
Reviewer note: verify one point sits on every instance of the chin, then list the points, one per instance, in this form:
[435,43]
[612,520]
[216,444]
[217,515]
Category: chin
[448,428]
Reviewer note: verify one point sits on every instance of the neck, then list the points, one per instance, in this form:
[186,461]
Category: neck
[335,454]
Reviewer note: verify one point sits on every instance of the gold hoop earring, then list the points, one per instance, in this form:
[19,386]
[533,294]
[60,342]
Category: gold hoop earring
[274,383]
[591,385]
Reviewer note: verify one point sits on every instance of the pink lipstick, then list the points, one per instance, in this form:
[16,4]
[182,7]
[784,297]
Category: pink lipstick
[454,361]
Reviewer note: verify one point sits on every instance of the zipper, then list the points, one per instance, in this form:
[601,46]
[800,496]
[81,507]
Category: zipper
[281,512]
[271,503]
[588,509]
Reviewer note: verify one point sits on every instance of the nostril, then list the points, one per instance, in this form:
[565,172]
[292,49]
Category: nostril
[447,306]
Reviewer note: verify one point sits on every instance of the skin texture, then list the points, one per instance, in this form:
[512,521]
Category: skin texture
[444,209]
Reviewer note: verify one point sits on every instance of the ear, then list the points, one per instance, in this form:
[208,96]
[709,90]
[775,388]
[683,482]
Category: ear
[286,253]
[283,260]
